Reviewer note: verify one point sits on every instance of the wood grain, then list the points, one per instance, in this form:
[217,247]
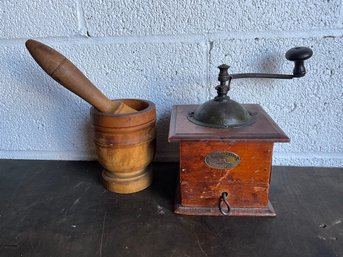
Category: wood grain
[264,129]
[60,208]
[125,146]
[247,184]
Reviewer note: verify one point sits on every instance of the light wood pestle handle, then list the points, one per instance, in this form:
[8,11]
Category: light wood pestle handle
[68,75]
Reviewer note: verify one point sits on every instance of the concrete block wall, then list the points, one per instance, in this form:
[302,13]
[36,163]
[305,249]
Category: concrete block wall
[167,52]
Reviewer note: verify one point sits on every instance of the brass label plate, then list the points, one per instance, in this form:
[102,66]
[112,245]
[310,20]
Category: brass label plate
[222,160]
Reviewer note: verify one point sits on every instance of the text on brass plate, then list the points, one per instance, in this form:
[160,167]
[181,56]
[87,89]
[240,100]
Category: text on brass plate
[222,160]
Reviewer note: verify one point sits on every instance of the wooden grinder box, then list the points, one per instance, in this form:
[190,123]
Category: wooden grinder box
[224,171]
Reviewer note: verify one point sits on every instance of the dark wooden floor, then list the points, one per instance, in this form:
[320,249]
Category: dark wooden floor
[58,208]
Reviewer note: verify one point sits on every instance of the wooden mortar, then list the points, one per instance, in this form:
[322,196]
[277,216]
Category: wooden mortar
[125,146]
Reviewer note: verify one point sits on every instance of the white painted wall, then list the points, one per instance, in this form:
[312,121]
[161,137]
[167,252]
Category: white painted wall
[167,51]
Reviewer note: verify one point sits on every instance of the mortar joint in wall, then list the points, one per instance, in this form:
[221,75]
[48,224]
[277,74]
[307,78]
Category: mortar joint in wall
[82,28]
[209,64]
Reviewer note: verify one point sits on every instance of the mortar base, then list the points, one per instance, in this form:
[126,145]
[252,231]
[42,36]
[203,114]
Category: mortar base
[127,185]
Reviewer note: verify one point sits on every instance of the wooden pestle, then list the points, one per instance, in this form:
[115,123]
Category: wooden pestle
[68,75]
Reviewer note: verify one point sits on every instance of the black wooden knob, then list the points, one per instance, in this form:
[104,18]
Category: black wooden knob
[298,55]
